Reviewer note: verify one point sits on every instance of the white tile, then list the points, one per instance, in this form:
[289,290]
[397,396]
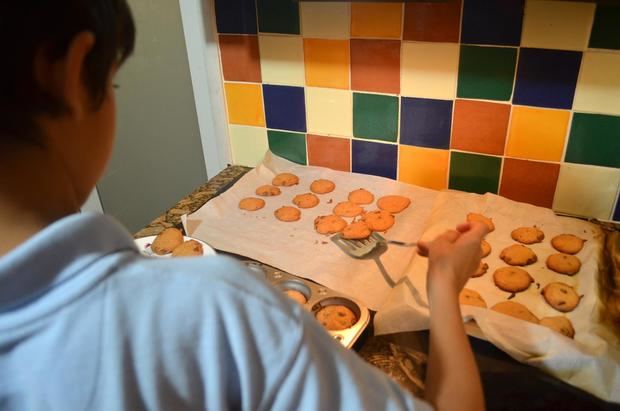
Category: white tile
[329,111]
[598,88]
[248,145]
[429,70]
[282,60]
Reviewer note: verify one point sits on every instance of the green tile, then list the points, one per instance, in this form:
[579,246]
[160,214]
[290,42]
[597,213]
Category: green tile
[291,146]
[474,173]
[278,16]
[594,139]
[606,28]
[375,116]
[486,72]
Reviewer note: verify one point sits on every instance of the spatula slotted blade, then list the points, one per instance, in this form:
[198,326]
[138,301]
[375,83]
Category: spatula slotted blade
[357,248]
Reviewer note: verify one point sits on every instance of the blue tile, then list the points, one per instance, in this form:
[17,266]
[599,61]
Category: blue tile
[374,158]
[235,16]
[492,22]
[617,212]
[425,122]
[285,108]
[546,78]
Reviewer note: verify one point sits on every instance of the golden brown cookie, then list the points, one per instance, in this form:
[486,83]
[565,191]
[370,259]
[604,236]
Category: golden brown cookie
[481,219]
[482,269]
[285,179]
[356,231]
[307,200]
[296,296]
[393,204]
[515,310]
[567,243]
[336,317]
[485,247]
[471,297]
[347,209]
[564,263]
[329,224]
[559,324]
[512,279]
[527,235]
[361,196]
[378,220]
[322,186]
[251,204]
[268,191]
[561,296]
[167,240]
[287,214]
[190,248]
[518,254]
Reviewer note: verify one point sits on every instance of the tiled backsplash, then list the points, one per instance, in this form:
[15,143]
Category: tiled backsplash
[510,97]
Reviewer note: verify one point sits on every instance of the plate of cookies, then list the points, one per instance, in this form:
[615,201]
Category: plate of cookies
[172,243]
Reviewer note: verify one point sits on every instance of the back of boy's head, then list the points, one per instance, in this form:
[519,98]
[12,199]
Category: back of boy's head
[30,27]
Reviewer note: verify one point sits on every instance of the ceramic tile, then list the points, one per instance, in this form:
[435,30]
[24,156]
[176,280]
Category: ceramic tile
[492,22]
[423,167]
[486,72]
[235,16]
[291,146]
[606,28]
[527,139]
[244,103]
[327,63]
[376,20]
[278,16]
[425,122]
[375,65]
[375,117]
[330,111]
[480,126]
[330,152]
[378,159]
[433,21]
[240,58]
[594,139]
[546,78]
[598,88]
[429,69]
[325,20]
[285,107]
[586,190]
[282,60]
[474,173]
[557,25]
[529,181]
[248,145]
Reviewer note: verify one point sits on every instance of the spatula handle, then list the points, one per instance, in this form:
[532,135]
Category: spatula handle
[401,243]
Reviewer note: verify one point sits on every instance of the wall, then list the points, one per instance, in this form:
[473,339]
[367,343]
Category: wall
[516,98]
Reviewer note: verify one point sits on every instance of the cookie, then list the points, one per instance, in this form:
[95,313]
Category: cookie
[482,269]
[356,231]
[527,235]
[296,296]
[564,263]
[512,279]
[285,179]
[329,224]
[307,200]
[518,254]
[378,220]
[268,191]
[361,196]
[481,219]
[567,243]
[251,204]
[561,296]
[559,324]
[167,240]
[515,310]
[190,248]
[336,317]
[393,204]
[471,297]
[287,214]
[347,209]
[485,247]
[322,186]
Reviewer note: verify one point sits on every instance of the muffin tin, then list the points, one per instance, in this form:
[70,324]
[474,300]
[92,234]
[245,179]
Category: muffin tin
[317,297]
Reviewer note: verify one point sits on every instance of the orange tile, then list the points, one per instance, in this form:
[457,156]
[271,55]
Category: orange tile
[240,58]
[529,181]
[480,126]
[376,20]
[425,167]
[433,21]
[375,65]
[244,103]
[330,152]
[327,63]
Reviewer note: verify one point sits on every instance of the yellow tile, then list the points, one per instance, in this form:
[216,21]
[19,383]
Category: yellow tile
[329,112]
[282,60]
[382,20]
[537,134]
[429,70]
[325,20]
[248,145]
[245,104]
[598,88]
[425,167]
[587,190]
[327,63]
[557,24]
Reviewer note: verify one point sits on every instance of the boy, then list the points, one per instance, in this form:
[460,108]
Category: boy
[87,323]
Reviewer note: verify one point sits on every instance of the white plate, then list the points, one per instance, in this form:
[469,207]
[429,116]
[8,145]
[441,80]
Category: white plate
[144,244]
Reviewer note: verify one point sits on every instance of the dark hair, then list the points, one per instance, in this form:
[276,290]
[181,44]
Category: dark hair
[28,27]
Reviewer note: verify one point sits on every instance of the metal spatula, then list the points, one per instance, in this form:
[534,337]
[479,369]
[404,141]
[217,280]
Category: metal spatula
[361,248]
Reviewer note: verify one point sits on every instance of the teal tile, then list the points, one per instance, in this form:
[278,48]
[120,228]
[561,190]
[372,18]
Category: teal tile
[291,146]
[594,139]
[486,72]
[474,173]
[375,116]
[606,28]
[278,16]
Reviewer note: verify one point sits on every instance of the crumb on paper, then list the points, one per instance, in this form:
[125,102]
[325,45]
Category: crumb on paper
[331,200]
[291,235]
[538,286]
[316,241]
[513,295]
[324,242]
